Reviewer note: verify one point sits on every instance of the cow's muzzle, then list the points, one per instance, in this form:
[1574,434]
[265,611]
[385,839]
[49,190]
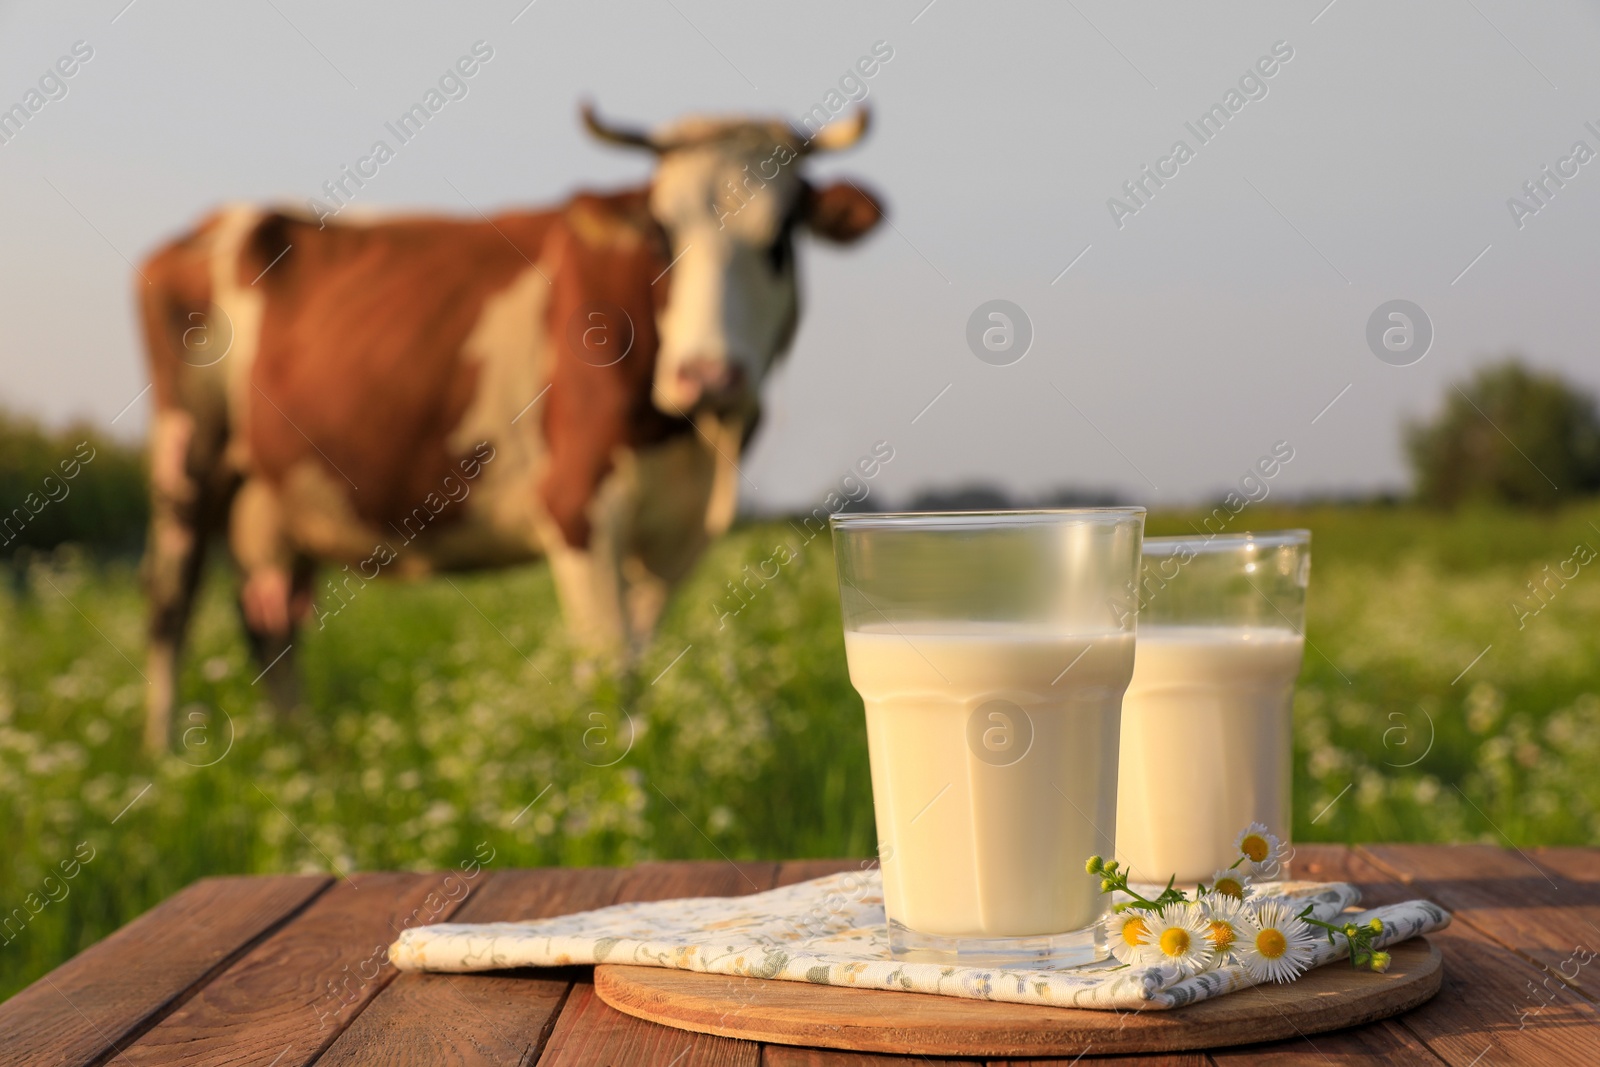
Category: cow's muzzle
[711,384]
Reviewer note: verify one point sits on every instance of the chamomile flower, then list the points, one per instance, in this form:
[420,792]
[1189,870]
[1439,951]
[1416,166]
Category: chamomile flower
[1234,883]
[1262,851]
[1228,924]
[1129,934]
[1178,936]
[1277,943]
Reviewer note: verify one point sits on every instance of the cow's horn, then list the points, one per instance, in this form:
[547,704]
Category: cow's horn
[616,134]
[843,133]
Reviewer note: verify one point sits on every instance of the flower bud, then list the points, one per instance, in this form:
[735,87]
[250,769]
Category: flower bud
[1376,926]
[1381,961]
[1095,865]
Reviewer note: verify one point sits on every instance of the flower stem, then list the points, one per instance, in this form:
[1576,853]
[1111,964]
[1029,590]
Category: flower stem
[1358,939]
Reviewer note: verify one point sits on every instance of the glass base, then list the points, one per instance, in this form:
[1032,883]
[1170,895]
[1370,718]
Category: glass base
[1076,948]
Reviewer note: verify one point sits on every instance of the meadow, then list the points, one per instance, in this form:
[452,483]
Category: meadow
[444,720]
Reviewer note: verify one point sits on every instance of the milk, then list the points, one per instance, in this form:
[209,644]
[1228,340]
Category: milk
[1205,746]
[982,829]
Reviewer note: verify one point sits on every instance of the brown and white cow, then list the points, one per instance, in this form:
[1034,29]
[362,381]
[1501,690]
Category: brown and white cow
[427,394]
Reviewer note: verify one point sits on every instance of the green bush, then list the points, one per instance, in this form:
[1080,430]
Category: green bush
[1509,435]
[71,485]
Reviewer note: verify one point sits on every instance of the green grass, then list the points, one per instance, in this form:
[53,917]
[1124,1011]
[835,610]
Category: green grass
[432,732]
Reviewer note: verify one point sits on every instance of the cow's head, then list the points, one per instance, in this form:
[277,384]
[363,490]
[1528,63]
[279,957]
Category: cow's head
[729,195]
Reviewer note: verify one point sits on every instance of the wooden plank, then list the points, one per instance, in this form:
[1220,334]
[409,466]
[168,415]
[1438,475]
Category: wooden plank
[107,995]
[792,871]
[590,1032]
[1552,920]
[1484,1013]
[1149,1059]
[789,1056]
[498,1019]
[1142,1059]
[503,1018]
[697,878]
[1578,864]
[1384,1041]
[1335,863]
[284,1001]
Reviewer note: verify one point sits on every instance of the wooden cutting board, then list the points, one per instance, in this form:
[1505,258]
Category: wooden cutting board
[870,1020]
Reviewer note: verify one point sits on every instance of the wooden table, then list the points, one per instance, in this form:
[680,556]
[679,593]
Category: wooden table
[288,970]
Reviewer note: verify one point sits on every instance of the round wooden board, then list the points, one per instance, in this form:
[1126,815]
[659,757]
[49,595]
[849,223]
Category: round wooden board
[870,1020]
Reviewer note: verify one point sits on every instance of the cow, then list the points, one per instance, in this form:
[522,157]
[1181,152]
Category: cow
[416,395]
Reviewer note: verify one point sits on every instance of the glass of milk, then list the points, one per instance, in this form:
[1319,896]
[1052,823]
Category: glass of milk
[1205,723]
[991,650]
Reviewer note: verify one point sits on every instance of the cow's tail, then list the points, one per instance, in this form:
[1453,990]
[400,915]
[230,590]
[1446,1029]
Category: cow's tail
[189,345]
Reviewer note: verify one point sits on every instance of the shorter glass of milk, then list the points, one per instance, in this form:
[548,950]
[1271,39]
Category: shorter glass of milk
[1206,722]
[991,651]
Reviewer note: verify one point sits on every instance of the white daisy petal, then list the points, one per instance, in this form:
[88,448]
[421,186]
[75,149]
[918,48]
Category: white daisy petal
[1127,933]
[1233,883]
[1229,924]
[1262,850]
[1177,938]
[1277,945]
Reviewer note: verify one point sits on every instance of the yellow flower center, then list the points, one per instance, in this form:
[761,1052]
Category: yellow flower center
[1230,887]
[1222,933]
[1133,931]
[1175,941]
[1271,944]
[1254,846]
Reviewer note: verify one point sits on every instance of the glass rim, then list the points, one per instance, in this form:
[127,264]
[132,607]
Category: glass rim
[1200,543]
[998,519]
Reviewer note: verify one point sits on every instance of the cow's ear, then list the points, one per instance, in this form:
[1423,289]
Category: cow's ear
[841,212]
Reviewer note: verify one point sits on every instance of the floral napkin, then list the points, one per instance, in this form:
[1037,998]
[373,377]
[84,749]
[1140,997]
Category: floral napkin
[832,931]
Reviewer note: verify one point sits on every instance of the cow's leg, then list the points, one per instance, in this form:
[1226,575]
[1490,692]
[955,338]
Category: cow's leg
[589,586]
[676,512]
[274,588]
[188,491]
[273,648]
[647,594]
[589,581]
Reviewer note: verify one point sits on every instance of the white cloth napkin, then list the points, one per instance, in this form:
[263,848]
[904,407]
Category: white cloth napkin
[832,931]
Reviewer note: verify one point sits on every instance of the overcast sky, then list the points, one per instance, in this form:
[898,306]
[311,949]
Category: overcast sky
[1172,345]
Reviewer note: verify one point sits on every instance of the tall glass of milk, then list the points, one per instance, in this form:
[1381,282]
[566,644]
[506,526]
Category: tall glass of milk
[1205,724]
[991,651]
